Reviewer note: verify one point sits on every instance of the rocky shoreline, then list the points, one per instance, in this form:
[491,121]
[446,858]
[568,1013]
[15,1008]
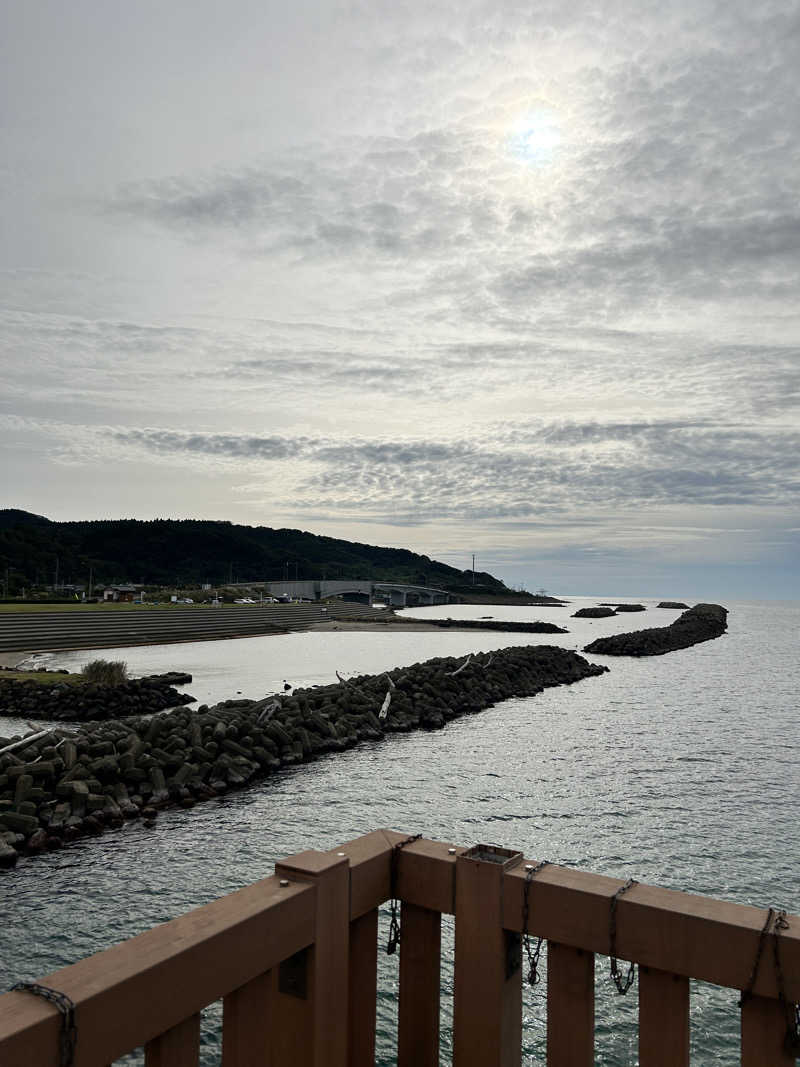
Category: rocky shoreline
[69,783]
[90,703]
[624,607]
[703,622]
[501,625]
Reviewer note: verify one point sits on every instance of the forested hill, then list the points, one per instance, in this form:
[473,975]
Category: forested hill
[189,552]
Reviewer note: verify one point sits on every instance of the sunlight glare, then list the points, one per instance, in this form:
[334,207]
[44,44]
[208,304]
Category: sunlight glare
[534,138]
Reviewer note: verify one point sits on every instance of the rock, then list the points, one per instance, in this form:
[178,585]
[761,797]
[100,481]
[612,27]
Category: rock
[112,769]
[593,613]
[24,783]
[501,625]
[23,824]
[625,607]
[703,622]
[8,854]
[37,842]
[672,604]
[87,702]
[169,678]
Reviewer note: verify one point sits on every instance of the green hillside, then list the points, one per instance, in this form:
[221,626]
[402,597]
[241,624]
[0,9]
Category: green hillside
[189,552]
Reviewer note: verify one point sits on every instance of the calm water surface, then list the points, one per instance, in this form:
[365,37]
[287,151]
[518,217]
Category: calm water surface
[679,770]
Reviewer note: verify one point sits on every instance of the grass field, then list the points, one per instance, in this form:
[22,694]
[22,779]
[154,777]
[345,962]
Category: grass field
[45,677]
[110,606]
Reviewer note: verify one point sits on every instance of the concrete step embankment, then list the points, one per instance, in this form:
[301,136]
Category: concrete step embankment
[50,631]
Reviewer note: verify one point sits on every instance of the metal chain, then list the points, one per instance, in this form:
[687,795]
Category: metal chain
[533,954]
[69,1032]
[791,1011]
[622,984]
[747,992]
[394,923]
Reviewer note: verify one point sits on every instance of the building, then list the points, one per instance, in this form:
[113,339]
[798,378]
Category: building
[127,593]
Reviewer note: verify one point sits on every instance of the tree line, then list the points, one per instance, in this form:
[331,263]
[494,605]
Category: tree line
[35,551]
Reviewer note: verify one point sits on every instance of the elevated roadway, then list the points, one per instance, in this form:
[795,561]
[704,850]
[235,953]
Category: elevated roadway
[398,594]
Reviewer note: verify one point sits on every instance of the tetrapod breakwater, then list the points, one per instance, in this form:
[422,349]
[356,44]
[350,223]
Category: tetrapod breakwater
[70,782]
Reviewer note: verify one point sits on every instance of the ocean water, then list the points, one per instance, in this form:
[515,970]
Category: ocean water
[679,770]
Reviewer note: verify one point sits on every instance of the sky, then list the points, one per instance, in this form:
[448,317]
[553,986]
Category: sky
[517,279]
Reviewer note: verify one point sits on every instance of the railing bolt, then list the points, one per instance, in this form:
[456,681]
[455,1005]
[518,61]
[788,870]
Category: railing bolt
[528,866]
[340,853]
[451,851]
[283,883]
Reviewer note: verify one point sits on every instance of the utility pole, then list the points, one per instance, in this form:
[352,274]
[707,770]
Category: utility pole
[56,581]
[473,568]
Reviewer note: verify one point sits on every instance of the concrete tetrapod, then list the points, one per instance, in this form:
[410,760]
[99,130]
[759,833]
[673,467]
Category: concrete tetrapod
[703,622]
[78,781]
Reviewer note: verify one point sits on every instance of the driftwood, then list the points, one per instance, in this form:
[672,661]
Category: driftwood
[458,670]
[37,736]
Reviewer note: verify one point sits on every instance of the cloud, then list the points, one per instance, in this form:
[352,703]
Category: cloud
[532,469]
[352,279]
[673,178]
[225,446]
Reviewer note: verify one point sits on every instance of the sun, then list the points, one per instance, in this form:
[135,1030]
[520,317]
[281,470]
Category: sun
[535,137]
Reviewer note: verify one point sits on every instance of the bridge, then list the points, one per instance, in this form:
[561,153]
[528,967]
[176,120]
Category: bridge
[398,594]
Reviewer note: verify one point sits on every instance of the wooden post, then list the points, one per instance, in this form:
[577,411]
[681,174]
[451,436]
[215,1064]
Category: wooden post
[570,1007]
[487,1023]
[663,1019]
[178,1047]
[363,990]
[420,955]
[310,991]
[246,1020]
[763,1034]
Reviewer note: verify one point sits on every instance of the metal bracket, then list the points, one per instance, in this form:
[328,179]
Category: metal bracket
[503,857]
[513,952]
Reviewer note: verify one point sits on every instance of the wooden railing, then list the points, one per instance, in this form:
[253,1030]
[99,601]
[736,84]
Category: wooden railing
[294,960]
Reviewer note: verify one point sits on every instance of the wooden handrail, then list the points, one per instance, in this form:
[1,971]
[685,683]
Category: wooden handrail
[149,986]
[698,937]
[135,991]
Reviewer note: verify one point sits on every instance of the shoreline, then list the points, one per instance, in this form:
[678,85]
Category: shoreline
[13,659]
[66,783]
[368,627]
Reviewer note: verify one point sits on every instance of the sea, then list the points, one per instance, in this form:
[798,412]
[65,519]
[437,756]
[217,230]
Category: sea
[678,770]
